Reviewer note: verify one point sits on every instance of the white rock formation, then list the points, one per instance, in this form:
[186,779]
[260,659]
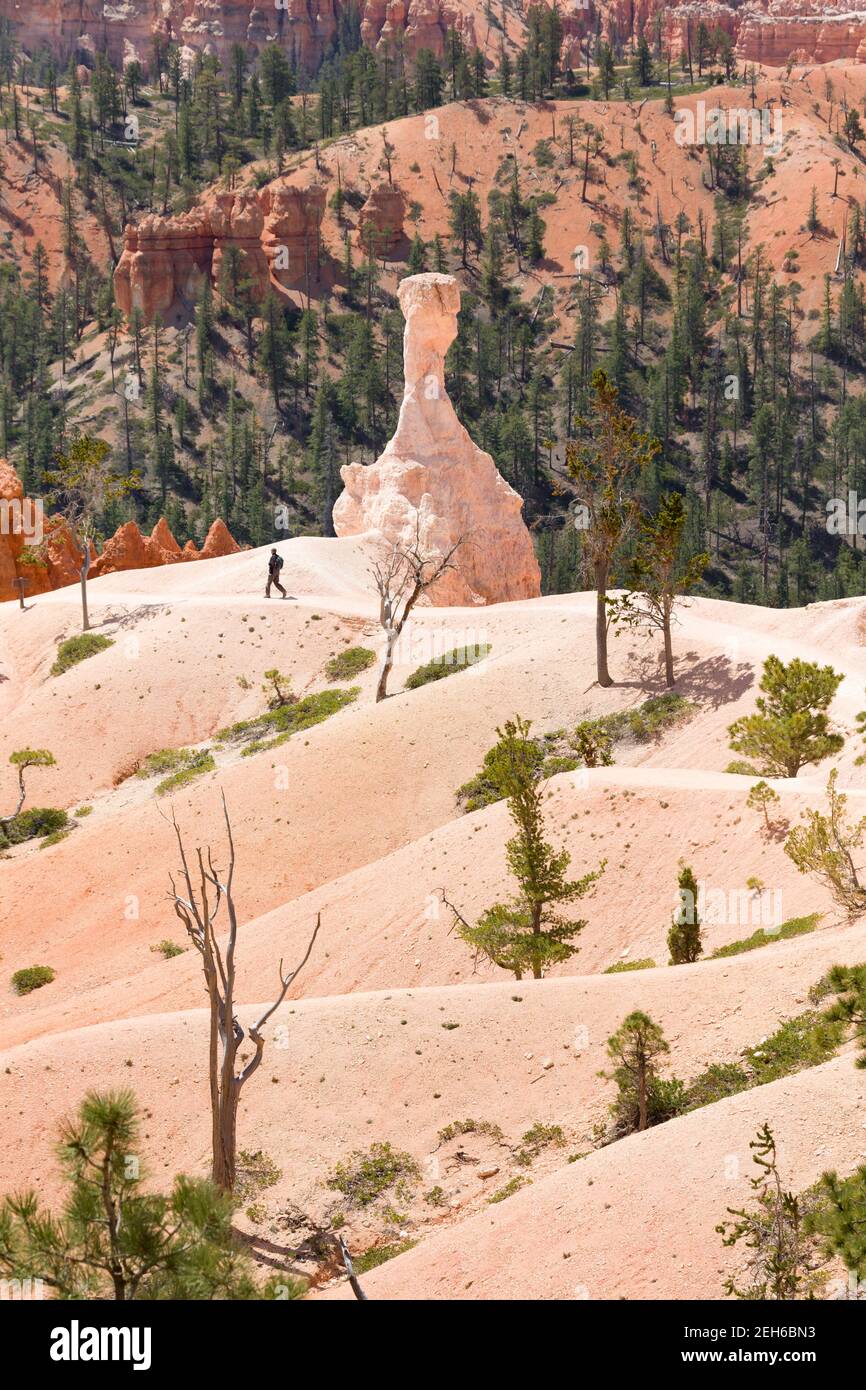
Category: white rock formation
[432,479]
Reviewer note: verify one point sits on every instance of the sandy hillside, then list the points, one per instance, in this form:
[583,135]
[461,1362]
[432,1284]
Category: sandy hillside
[393,1032]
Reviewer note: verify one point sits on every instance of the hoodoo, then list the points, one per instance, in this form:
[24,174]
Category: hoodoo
[432,480]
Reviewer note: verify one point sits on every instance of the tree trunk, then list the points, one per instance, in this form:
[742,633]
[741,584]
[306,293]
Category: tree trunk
[641,1098]
[391,635]
[85,614]
[601,631]
[669,650]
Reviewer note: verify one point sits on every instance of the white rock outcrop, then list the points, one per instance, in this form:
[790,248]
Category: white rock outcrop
[432,480]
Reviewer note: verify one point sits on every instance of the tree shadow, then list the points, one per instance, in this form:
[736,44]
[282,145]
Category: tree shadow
[130,617]
[715,681]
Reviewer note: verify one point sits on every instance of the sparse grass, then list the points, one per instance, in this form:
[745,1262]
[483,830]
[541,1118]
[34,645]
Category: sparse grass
[435,1197]
[286,720]
[797,926]
[457,1127]
[32,977]
[365,1176]
[460,659]
[84,811]
[379,1255]
[79,648]
[557,749]
[349,663]
[256,1171]
[620,966]
[513,1185]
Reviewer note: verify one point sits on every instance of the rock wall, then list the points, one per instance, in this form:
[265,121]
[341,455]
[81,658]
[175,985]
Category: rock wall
[306,29]
[383,214]
[165,259]
[52,560]
[432,483]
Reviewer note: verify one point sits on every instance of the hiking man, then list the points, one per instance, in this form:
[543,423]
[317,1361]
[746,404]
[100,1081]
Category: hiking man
[275,564]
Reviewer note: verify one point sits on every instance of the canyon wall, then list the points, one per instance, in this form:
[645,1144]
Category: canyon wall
[306,29]
[767,31]
[165,259]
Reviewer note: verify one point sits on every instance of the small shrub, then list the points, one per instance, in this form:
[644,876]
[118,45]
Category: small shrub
[54,838]
[460,659]
[79,648]
[349,663]
[367,1175]
[798,926]
[589,745]
[39,821]
[167,760]
[800,1042]
[83,811]
[33,977]
[287,720]
[513,1185]
[379,1255]
[168,949]
[469,1127]
[200,762]
[435,1197]
[620,966]
[539,1137]
[721,1079]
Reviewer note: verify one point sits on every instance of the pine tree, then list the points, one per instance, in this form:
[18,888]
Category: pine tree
[684,938]
[791,728]
[527,933]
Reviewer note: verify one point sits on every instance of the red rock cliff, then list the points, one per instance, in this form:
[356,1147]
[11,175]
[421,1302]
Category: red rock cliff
[52,560]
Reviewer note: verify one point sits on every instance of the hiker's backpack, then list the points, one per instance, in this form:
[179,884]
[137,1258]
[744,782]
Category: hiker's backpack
[277,563]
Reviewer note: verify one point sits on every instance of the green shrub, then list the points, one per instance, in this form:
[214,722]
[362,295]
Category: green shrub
[620,966]
[54,838]
[283,722]
[38,821]
[84,811]
[168,949]
[166,760]
[469,1127]
[721,1079]
[183,765]
[800,1042]
[539,1137]
[79,648]
[460,659]
[797,926]
[588,745]
[33,977]
[367,1175]
[379,1255]
[513,1185]
[349,663]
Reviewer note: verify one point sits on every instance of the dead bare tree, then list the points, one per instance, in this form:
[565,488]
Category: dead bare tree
[198,912]
[404,573]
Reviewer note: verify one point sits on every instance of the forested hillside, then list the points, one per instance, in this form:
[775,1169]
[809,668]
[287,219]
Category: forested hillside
[719,285]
